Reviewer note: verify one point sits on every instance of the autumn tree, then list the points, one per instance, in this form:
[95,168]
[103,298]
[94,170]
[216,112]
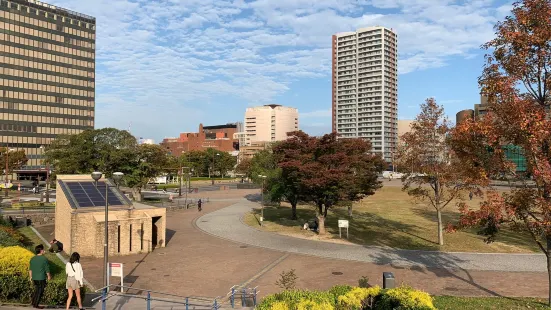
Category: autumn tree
[327,170]
[16,159]
[436,179]
[517,81]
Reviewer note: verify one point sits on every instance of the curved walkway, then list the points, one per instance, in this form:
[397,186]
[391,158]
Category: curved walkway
[226,223]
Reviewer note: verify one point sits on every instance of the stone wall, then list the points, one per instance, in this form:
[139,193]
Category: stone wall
[35,219]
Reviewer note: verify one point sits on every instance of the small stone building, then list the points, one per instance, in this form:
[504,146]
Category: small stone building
[80,219]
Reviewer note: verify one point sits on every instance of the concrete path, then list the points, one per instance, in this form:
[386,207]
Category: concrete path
[226,223]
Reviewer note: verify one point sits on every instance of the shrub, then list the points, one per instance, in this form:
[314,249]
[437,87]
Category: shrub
[7,240]
[339,290]
[363,282]
[306,304]
[405,298]
[13,233]
[279,305]
[359,298]
[288,280]
[293,298]
[18,289]
[14,261]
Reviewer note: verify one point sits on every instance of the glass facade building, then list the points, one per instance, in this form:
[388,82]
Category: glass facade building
[47,76]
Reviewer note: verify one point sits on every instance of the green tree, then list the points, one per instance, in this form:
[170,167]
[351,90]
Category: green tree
[102,150]
[147,161]
[16,159]
[195,160]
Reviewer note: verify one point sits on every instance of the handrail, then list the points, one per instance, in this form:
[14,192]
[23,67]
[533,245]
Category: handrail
[150,291]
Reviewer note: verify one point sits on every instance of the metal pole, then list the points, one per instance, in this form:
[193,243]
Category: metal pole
[105,250]
[232,297]
[148,300]
[7,159]
[103,299]
[47,182]
[213,156]
[180,181]
[243,298]
[187,303]
[262,202]
[254,297]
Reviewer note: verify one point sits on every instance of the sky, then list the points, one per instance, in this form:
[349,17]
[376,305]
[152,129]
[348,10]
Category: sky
[164,66]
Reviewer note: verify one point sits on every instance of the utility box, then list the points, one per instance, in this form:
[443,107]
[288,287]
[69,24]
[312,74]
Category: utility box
[388,280]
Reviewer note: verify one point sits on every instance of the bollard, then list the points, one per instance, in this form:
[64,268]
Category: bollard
[243,298]
[187,303]
[104,299]
[148,300]
[388,280]
[232,298]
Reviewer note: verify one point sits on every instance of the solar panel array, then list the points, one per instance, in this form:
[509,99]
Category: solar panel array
[86,194]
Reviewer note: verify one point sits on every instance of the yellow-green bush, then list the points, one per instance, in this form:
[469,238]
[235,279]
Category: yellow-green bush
[305,304]
[358,298]
[405,298]
[279,305]
[14,261]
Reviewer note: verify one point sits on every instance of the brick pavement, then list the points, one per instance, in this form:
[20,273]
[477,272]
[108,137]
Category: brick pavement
[199,264]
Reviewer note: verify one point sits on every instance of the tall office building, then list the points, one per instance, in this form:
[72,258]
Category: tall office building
[47,77]
[365,87]
[269,123]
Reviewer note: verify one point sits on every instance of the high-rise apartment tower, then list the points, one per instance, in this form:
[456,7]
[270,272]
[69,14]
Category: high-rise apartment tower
[269,123]
[365,87]
[47,76]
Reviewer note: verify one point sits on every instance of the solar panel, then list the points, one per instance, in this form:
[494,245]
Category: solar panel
[86,194]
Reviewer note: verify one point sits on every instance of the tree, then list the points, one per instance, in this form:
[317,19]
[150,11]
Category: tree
[517,81]
[330,170]
[436,179]
[244,167]
[148,161]
[194,160]
[16,159]
[91,150]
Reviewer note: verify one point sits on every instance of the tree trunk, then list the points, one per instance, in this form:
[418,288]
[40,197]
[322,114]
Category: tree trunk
[137,194]
[440,234]
[549,269]
[321,224]
[350,211]
[293,210]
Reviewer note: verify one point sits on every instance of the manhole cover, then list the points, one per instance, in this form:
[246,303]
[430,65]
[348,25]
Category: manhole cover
[243,246]
[161,253]
[167,275]
[337,273]
[153,268]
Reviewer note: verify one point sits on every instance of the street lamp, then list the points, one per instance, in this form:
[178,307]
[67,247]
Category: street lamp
[7,170]
[217,154]
[263,177]
[117,177]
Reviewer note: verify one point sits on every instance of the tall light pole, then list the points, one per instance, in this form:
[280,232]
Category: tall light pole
[213,156]
[263,177]
[7,170]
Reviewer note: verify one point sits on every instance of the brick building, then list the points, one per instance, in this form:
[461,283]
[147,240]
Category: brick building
[219,137]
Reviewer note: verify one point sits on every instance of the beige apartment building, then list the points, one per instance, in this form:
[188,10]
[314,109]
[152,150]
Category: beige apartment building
[269,123]
[365,87]
[47,77]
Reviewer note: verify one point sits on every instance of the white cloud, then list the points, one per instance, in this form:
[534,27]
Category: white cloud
[179,54]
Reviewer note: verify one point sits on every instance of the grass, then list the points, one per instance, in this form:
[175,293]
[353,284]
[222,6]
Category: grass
[391,218]
[57,267]
[33,204]
[488,303]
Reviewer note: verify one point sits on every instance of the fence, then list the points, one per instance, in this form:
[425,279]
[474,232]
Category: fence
[196,303]
[247,296]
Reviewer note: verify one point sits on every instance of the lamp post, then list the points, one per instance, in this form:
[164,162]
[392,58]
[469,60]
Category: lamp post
[263,177]
[213,156]
[7,170]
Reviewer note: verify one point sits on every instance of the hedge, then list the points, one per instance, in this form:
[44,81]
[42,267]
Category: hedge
[349,298]
[7,240]
[14,261]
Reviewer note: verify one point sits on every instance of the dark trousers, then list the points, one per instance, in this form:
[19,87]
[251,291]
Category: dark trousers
[39,286]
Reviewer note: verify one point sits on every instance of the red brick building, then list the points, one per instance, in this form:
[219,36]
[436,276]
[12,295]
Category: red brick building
[219,137]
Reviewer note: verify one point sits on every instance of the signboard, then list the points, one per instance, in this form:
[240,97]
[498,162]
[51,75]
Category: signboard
[115,270]
[343,224]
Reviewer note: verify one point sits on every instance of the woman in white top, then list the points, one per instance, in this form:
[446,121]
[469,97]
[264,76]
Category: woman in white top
[73,269]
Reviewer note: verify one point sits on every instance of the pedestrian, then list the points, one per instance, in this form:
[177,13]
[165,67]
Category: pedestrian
[73,269]
[39,271]
[470,195]
[56,246]
[199,203]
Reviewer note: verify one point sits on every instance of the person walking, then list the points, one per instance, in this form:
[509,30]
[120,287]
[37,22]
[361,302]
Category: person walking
[73,269]
[39,271]
[470,195]
[199,203]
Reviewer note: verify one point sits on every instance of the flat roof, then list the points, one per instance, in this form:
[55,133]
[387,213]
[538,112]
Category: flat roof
[56,10]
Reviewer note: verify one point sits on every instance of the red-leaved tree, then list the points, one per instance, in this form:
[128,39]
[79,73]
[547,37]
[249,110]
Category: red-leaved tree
[517,80]
[328,171]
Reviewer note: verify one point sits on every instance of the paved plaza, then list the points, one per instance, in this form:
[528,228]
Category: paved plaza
[208,252]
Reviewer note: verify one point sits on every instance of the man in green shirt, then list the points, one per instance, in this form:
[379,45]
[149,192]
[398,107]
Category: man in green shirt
[39,270]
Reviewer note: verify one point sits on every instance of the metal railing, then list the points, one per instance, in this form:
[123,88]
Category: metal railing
[195,302]
[237,292]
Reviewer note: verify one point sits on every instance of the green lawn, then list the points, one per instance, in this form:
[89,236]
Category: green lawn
[487,303]
[57,267]
[391,218]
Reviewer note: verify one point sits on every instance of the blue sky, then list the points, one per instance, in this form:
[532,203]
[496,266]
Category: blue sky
[164,66]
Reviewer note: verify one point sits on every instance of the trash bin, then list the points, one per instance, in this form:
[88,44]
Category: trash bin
[388,280]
